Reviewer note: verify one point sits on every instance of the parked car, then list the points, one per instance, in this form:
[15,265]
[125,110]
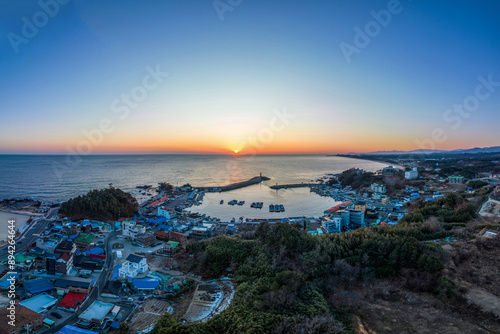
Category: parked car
[55,314]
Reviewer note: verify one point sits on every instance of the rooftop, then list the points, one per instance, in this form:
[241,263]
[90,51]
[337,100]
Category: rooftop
[71,300]
[38,285]
[85,238]
[66,280]
[23,316]
[97,311]
[39,303]
[135,258]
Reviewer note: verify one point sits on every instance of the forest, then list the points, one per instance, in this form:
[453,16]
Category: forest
[286,277]
[104,204]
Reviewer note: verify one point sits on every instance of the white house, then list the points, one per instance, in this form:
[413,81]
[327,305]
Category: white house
[131,229]
[134,265]
[411,174]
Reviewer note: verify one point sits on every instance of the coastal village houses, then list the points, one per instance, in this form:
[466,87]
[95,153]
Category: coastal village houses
[134,265]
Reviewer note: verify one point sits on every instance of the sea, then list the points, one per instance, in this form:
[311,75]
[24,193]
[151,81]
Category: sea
[56,178]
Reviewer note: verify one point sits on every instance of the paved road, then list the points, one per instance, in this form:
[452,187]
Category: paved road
[101,281]
[30,235]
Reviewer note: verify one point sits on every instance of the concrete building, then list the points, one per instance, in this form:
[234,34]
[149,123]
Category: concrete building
[353,218]
[390,170]
[163,212]
[360,206]
[456,179]
[332,225]
[39,303]
[131,229]
[134,265]
[378,188]
[411,174]
[98,314]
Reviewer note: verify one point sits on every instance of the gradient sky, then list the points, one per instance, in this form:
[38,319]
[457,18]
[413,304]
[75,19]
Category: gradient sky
[227,78]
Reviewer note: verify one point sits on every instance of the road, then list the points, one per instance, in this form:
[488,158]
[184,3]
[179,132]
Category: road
[95,292]
[29,236]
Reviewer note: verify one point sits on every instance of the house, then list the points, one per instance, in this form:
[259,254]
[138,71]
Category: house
[68,329]
[71,301]
[145,284]
[65,247]
[47,244]
[352,218]
[194,219]
[170,248]
[134,265]
[97,314]
[182,238]
[26,320]
[131,229]
[146,240]
[360,206]
[84,240]
[201,232]
[88,263]
[65,284]
[24,262]
[39,303]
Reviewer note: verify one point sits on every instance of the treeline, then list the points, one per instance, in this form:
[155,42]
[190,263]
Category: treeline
[450,209]
[357,178]
[285,275]
[104,204]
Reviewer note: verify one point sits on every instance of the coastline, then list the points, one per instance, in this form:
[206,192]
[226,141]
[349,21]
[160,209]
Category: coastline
[23,213]
[368,159]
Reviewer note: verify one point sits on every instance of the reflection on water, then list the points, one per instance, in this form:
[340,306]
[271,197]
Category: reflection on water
[298,202]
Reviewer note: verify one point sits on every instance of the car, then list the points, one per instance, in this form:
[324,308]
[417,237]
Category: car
[55,314]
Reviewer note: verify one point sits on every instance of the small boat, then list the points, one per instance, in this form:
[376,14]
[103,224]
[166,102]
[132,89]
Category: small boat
[271,208]
[253,205]
[241,202]
[233,202]
[282,208]
[276,208]
[221,201]
[259,205]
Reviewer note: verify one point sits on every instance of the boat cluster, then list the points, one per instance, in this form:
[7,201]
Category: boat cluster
[234,202]
[257,205]
[276,208]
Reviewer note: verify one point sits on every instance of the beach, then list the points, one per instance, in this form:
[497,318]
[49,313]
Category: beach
[5,216]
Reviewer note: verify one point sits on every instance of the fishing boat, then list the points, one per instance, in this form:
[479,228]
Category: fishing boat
[241,202]
[233,202]
[282,208]
[271,208]
[221,201]
[276,208]
[253,205]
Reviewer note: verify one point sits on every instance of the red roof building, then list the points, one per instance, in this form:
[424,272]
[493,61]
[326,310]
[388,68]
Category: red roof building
[161,200]
[337,207]
[71,301]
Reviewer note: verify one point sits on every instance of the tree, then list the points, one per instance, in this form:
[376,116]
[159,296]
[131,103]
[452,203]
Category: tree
[123,328]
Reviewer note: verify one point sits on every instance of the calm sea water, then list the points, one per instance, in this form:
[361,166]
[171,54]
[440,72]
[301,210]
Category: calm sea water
[54,178]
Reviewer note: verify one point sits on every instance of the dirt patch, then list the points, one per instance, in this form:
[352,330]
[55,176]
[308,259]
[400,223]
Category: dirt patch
[485,300]
[148,314]
[490,209]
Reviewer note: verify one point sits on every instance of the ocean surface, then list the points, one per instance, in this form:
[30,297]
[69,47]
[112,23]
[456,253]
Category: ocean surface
[58,178]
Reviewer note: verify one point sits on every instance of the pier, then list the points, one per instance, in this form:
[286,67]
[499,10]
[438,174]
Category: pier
[296,185]
[232,186]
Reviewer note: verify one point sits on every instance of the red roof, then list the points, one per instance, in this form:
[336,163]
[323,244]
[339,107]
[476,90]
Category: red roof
[161,234]
[161,200]
[338,206]
[72,300]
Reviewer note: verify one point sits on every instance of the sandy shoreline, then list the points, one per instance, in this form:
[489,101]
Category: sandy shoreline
[24,213]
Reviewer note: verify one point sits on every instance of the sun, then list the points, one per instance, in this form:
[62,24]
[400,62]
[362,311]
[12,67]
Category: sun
[236,151]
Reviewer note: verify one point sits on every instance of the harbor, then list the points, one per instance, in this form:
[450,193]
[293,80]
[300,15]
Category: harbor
[233,186]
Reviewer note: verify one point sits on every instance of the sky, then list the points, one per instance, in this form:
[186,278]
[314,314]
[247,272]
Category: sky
[266,77]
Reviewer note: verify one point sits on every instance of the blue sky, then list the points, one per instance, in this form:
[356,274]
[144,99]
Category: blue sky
[225,77]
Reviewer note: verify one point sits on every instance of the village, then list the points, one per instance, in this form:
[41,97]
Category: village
[91,276]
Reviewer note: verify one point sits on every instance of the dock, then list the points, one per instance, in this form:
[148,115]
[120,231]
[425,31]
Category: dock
[295,185]
[232,186]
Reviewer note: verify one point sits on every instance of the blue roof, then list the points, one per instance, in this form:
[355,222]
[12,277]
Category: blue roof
[164,227]
[162,219]
[68,329]
[94,250]
[38,285]
[4,284]
[115,272]
[115,324]
[145,283]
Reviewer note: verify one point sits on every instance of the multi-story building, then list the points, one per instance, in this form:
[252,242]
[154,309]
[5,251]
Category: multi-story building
[131,229]
[378,188]
[456,179]
[411,174]
[332,225]
[134,265]
[353,218]
[65,284]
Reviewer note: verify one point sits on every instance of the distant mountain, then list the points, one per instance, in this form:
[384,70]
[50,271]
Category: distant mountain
[476,150]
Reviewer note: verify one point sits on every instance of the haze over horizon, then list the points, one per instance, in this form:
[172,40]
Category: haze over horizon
[275,77]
